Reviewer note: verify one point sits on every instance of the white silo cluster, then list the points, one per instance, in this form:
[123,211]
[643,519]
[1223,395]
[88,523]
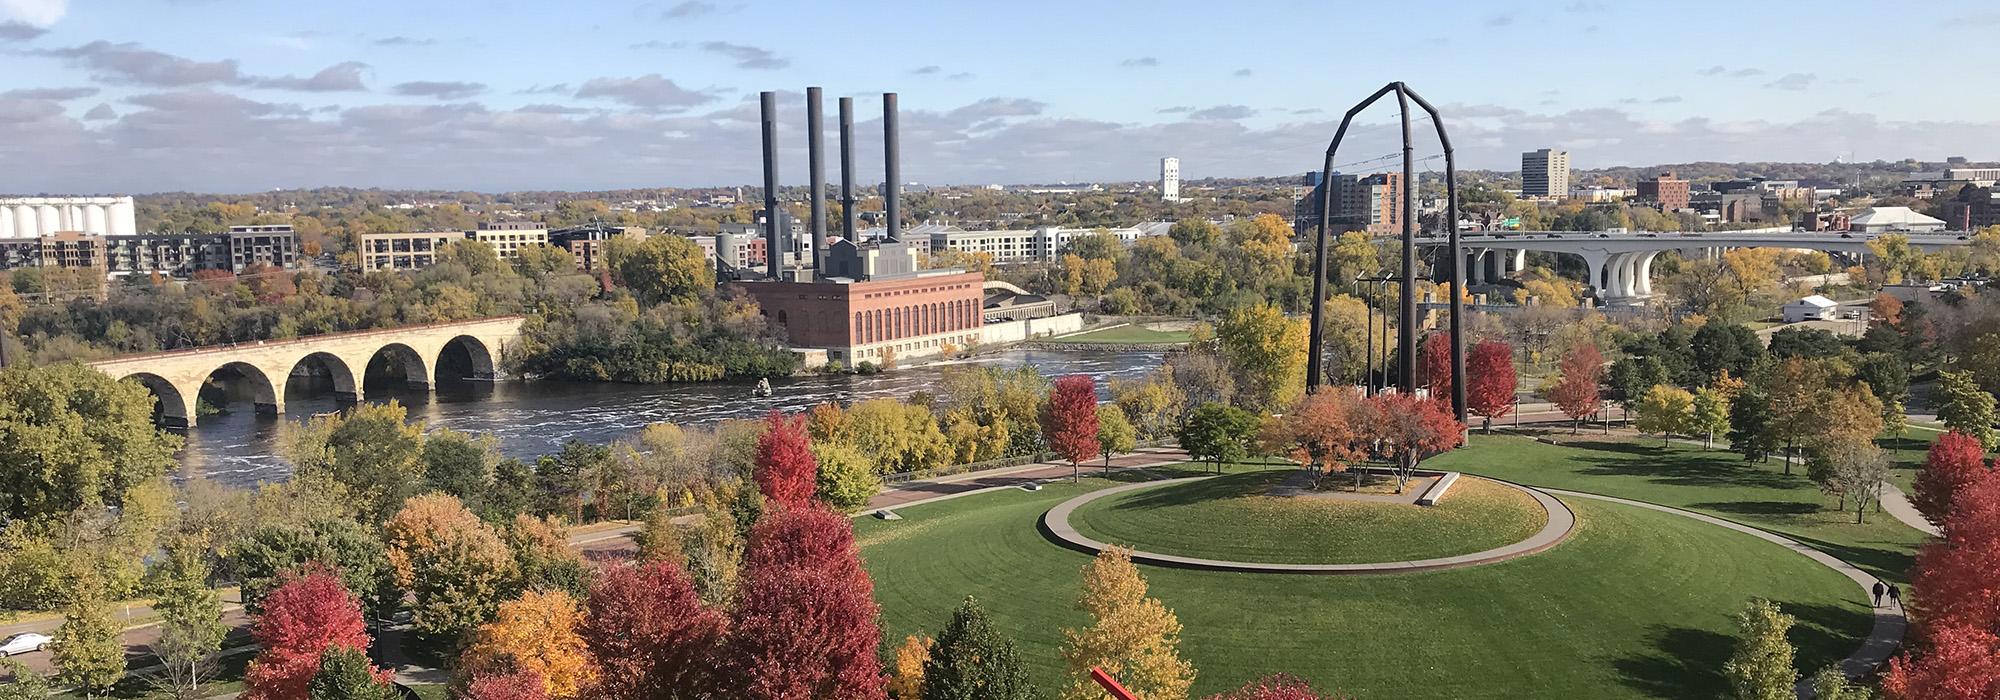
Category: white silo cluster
[34,217]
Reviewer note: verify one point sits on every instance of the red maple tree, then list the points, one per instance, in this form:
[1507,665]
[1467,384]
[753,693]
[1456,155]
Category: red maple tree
[1069,420]
[1955,461]
[520,685]
[1957,664]
[1410,428]
[804,624]
[1434,363]
[1575,391]
[308,613]
[1489,381]
[1275,687]
[650,635]
[1955,582]
[785,469]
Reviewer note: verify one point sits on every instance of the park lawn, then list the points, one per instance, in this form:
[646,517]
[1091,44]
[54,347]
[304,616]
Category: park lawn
[1230,518]
[1714,482]
[1126,334]
[1636,604]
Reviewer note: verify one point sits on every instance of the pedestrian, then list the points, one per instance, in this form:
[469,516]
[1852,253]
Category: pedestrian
[1895,595]
[1878,593]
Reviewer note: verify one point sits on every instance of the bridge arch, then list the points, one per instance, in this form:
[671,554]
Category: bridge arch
[398,362]
[248,378]
[465,357]
[345,384]
[172,407]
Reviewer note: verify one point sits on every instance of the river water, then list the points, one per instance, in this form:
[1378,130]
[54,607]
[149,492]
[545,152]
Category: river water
[238,447]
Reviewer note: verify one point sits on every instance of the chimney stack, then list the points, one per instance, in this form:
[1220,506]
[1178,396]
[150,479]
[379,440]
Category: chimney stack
[847,169]
[817,166]
[773,252]
[891,170]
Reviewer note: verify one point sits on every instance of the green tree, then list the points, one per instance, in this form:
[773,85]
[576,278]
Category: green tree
[973,661]
[345,673]
[1965,407]
[459,465]
[87,653]
[191,629]
[1267,351]
[662,269]
[714,550]
[1632,377]
[1218,433]
[353,551]
[1115,434]
[26,684]
[1750,430]
[370,450]
[1761,668]
[846,477]
[1730,347]
[1195,232]
[73,438]
[1831,684]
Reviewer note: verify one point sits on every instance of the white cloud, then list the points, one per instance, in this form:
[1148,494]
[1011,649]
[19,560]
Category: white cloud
[34,13]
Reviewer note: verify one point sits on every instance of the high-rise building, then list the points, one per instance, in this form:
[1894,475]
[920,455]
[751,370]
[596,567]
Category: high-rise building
[1545,173]
[1170,179]
[1666,190]
[1370,203]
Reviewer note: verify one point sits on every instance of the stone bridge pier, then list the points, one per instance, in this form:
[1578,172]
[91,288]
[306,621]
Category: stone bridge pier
[264,369]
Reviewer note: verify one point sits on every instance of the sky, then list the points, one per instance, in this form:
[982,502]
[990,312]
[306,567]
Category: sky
[137,96]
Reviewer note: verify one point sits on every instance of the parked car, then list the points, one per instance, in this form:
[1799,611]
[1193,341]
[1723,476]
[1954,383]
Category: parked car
[23,643]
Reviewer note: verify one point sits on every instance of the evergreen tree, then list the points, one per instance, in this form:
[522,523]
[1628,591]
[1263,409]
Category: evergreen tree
[346,674]
[973,661]
[1761,668]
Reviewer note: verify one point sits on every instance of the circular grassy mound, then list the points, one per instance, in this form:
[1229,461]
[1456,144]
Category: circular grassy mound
[1231,518]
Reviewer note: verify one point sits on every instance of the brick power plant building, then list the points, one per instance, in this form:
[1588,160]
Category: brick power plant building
[860,301]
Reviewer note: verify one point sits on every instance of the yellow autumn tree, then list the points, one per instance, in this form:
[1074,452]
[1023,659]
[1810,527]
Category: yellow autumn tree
[906,676]
[537,633]
[1134,638]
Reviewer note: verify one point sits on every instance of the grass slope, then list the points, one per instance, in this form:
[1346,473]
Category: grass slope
[1230,518]
[1637,604]
[1712,482]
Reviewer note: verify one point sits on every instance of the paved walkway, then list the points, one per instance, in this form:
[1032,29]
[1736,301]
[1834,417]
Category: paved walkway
[1883,639]
[947,487]
[1561,522]
[1897,504]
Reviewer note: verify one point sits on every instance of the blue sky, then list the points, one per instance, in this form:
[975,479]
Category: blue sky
[236,95]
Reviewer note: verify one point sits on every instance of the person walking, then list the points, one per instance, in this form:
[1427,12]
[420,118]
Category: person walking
[1878,593]
[1895,596]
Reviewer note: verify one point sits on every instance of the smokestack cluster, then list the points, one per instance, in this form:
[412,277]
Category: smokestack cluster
[775,231]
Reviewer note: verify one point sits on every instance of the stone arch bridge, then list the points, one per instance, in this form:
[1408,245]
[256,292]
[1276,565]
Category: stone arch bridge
[410,354]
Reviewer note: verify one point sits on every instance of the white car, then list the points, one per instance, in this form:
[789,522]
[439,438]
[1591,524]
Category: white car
[23,643]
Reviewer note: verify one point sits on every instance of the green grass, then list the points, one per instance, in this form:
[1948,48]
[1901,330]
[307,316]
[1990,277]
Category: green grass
[1636,604]
[1230,518]
[1126,334]
[1713,482]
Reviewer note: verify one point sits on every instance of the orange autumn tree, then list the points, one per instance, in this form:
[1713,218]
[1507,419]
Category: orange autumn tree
[1575,389]
[1490,381]
[536,633]
[1323,433]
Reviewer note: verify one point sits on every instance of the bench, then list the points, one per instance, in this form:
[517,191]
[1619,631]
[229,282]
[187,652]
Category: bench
[1436,492]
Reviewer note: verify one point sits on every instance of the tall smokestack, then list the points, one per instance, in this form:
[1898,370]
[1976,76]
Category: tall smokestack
[773,253]
[847,169]
[892,170]
[817,165]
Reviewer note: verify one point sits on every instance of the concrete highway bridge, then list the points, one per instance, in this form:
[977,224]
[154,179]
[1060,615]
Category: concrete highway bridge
[343,362]
[1621,264]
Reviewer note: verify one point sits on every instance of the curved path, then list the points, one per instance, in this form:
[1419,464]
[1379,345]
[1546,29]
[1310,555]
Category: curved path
[1882,640]
[1055,524]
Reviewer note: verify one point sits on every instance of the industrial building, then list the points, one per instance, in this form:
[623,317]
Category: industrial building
[28,217]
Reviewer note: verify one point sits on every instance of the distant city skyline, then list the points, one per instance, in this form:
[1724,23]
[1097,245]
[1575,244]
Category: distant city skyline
[233,96]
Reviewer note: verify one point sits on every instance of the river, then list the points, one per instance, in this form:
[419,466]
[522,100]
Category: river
[239,448]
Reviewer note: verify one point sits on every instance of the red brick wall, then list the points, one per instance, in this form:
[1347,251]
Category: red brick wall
[829,315]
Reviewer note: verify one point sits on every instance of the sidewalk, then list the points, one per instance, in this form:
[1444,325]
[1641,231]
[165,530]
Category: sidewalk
[928,490]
